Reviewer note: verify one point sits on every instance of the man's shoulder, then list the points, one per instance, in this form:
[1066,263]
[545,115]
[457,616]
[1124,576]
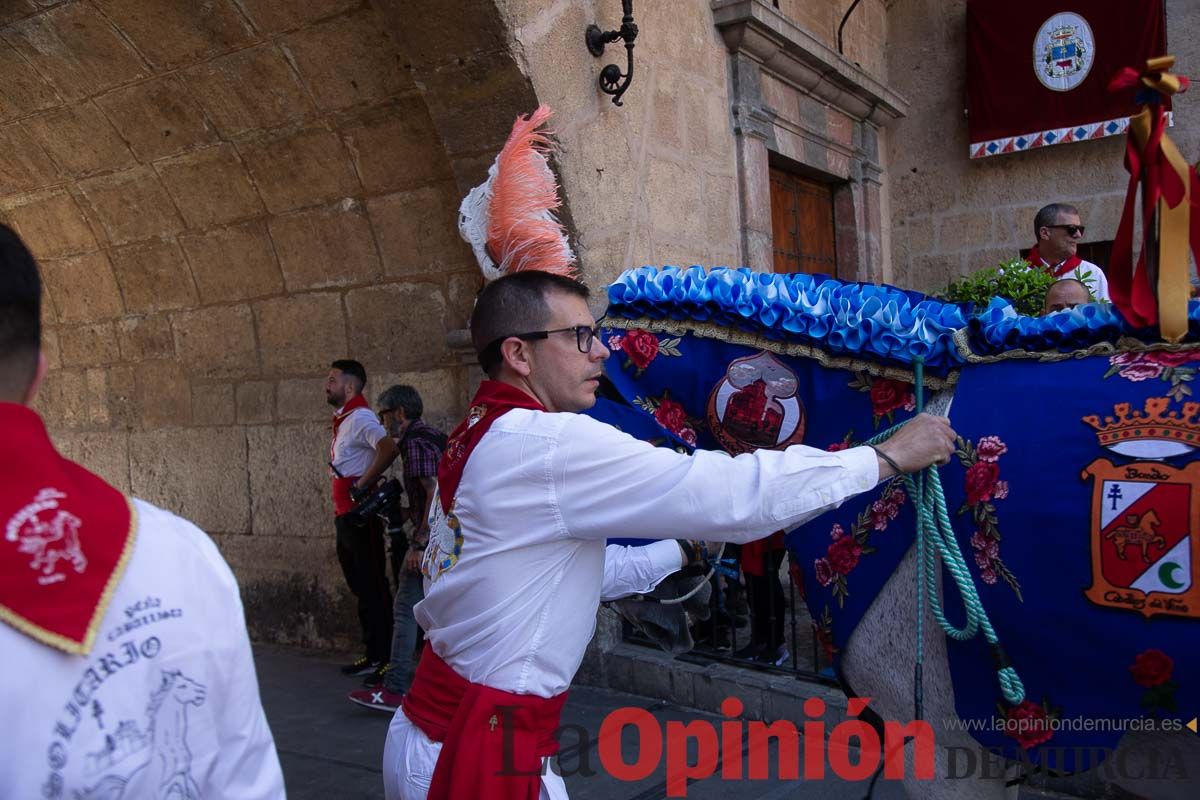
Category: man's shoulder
[170,535]
[555,424]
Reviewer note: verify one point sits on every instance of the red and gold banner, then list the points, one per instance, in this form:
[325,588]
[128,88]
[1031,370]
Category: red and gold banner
[1038,72]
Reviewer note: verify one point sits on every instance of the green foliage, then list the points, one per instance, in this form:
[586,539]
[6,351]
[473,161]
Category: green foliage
[1025,288]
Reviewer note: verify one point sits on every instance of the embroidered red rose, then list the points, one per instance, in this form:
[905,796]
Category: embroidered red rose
[1168,359]
[689,436]
[1028,724]
[887,395]
[988,575]
[880,515]
[843,555]
[990,448]
[671,416]
[641,347]
[981,481]
[837,447]
[1152,668]
[1142,372]
[823,571]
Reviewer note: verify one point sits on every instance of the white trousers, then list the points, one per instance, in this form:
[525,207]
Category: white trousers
[409,757]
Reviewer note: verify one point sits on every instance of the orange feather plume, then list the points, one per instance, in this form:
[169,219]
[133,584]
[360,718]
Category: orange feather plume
[523,232]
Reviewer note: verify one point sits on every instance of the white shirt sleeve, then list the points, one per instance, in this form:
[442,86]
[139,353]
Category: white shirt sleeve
[606,484]
[637,570]
[368,427]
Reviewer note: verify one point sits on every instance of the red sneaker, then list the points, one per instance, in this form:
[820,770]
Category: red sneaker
[378,698]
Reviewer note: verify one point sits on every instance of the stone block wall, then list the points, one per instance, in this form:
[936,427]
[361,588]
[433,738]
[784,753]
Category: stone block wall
[652,181]
[952,216]
[864,36]
[224,197]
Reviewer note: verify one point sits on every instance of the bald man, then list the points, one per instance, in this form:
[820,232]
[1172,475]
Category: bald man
[1064,294]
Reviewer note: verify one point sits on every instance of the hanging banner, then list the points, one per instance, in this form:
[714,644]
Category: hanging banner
[1038,72]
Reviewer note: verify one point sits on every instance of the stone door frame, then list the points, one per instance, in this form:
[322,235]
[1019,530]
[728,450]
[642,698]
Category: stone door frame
[795,102]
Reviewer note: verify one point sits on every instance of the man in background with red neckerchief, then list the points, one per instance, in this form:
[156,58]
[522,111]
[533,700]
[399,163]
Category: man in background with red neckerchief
[516,566]
[359,452]
[127,669]
[1059,232]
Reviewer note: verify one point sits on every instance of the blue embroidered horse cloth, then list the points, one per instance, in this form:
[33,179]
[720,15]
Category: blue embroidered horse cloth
[1072,495]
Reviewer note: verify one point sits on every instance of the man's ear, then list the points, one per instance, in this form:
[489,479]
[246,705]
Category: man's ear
[1043,234]
[516,354]
[39,372]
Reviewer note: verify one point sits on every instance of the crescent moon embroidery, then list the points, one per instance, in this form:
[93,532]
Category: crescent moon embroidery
[1165,575]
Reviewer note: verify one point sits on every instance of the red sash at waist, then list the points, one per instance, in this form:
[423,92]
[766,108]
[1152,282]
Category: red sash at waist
[343,503]
[493,741]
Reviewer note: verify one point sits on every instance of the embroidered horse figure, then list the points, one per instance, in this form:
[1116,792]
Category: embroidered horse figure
[170,759]
[50,543]
[1141,531]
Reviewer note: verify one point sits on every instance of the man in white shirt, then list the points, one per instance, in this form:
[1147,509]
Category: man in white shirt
[1059,231]
[126,668]
[359,453]
[517,564]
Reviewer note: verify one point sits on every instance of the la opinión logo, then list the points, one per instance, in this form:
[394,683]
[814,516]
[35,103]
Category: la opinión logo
[852,750]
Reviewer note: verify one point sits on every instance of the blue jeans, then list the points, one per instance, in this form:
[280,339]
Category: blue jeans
[405,634]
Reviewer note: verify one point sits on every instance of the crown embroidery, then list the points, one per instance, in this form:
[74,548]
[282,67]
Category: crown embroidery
[1154,432]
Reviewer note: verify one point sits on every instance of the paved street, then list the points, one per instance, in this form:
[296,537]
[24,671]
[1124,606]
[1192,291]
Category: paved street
[331,749]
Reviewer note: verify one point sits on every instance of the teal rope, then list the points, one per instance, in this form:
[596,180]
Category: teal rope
[936,540]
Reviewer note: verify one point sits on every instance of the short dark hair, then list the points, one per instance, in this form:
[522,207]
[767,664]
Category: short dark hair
[514,304]
[20,314]
[1047,216]
[401,396]
[352,368]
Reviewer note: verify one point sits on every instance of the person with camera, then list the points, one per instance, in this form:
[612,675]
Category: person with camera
[359,454]
[421,446]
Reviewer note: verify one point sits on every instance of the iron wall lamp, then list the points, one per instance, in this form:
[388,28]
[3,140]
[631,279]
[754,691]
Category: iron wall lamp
[611,80]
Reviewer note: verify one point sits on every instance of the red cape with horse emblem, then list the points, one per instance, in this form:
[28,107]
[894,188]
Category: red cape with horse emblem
[66,537]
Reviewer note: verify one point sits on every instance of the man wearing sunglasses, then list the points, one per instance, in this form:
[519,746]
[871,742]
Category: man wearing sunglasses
[1059,233]
[528,492]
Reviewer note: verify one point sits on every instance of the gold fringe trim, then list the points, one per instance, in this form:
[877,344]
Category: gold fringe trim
[60,642]
[707,330]
[1125,344]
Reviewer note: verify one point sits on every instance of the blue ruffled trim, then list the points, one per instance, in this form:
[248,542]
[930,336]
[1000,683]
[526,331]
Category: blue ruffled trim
[839,317]
[862,320]
[999,328]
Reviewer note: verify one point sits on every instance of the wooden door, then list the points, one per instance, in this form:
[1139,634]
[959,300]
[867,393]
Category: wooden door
[802,224]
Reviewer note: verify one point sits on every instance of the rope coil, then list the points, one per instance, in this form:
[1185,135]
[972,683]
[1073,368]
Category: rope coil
[936,541]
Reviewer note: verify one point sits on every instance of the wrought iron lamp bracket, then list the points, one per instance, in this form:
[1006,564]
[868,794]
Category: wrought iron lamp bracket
[612,80]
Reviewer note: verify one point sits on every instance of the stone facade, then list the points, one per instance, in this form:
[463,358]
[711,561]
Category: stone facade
[226,196]
[952,216]
[223,198]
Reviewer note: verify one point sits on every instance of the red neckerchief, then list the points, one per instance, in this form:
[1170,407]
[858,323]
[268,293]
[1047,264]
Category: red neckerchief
[1069,265]
[493,741]
[65,537]
[342,501]
[493,400]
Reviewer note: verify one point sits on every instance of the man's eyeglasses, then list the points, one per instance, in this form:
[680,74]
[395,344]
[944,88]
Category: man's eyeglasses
[585,335]
[1072,230]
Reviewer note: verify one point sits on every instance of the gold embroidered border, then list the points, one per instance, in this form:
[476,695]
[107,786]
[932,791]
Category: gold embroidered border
[61,642]
[1125,344]
[708,330]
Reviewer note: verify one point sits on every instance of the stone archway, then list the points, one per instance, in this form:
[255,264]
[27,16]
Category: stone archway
[223,198]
